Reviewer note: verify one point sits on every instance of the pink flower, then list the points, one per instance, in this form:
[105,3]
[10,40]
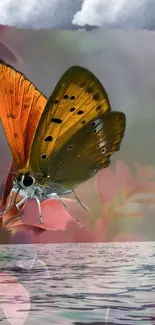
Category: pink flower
[55,216]
[123,195]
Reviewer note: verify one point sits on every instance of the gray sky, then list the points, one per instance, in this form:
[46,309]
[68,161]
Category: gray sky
[69,14]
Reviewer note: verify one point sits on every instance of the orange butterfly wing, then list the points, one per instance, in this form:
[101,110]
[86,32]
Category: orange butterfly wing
[8,184]
[21,105]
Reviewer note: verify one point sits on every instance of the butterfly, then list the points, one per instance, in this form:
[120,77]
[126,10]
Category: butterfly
[58,143]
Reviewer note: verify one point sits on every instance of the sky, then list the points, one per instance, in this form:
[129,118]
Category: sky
[70,14]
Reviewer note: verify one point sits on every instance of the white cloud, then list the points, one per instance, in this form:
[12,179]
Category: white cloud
[116,13]
[66,14]
[38,14]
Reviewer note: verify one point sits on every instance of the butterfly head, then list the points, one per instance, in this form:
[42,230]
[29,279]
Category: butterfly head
[25,180]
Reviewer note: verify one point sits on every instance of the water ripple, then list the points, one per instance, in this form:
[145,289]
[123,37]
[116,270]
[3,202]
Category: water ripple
[89,284]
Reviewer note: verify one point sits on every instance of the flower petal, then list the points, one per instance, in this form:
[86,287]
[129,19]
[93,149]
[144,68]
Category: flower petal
[55,216]
[124,177]
[145,173]
[106,184]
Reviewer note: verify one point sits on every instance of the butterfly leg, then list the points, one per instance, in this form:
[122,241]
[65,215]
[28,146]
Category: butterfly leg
[38,202]
[9,204]
[79,201]
[39,208]
[65,206]
[15,199]
[21,202]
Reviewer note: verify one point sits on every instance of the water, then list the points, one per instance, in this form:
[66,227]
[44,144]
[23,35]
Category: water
[78,284]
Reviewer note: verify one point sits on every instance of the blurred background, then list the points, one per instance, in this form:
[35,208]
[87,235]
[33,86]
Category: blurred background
[121,197]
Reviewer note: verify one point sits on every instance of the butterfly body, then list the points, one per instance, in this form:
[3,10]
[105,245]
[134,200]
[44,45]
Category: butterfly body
[58,143]
[29,187]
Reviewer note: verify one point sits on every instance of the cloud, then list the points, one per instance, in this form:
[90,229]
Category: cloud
[33,14]
[116,14]
[70,14]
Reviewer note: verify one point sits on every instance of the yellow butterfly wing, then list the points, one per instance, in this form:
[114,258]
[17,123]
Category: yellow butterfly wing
[87,151]
[77,98]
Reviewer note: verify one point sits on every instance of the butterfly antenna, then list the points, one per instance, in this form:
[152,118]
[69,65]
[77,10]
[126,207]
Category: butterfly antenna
[79,201]
[13,173]
[40,174]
